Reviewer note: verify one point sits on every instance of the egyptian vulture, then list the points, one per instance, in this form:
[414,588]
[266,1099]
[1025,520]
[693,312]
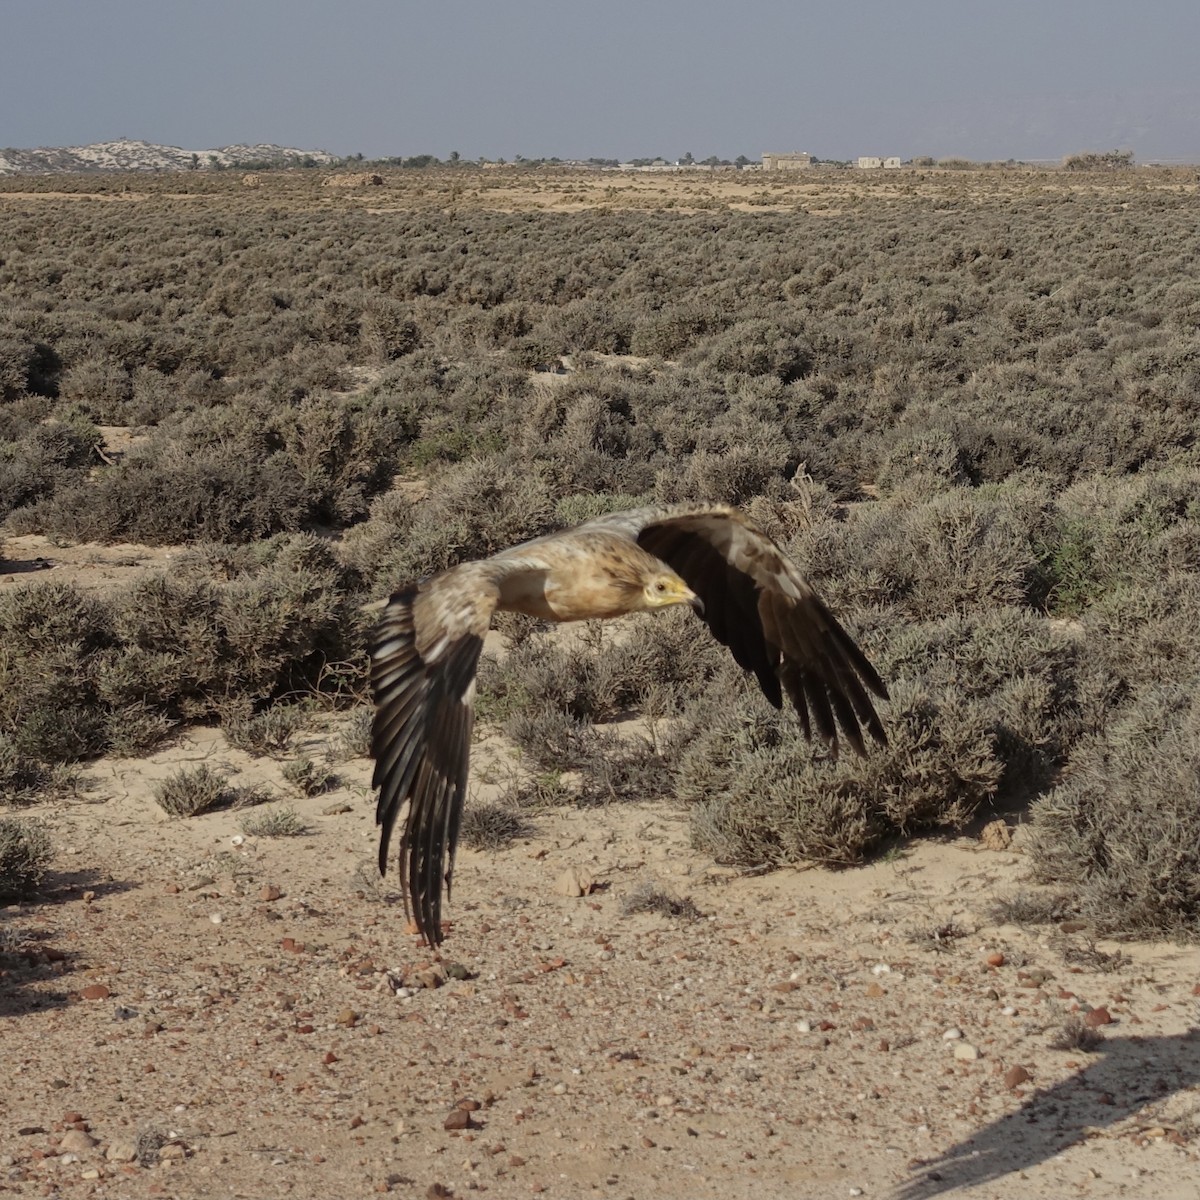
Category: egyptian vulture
[425,650]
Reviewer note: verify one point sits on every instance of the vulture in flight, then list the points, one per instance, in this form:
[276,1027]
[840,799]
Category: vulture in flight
[425,650]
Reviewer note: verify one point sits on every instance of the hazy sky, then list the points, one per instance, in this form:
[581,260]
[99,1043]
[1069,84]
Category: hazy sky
[612,78]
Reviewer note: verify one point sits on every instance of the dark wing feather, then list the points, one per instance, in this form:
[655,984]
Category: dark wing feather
[730,598]
[424,654]
[759,605]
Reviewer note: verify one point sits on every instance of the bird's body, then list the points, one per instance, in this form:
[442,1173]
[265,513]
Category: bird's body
[426,649]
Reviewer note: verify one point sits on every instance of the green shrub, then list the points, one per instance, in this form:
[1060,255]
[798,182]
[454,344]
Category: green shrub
[281,821]
[491,826]
[473,510]
[760,794]
[15,355]
[309,778]
[388,331]
[1148,632]
[666,334]
[1026,674]
[354,738]
[924,461]
[757,347]
[191,791]
[651,896]
[25,853]
[1122,831]
[43,458]
[80,674]
[168,501]
[267,732]
[22,779]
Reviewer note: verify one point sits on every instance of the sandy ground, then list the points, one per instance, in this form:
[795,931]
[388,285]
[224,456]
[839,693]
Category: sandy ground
[191,1012]
[33,558]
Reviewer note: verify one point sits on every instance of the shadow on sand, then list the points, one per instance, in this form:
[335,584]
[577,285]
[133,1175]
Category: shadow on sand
[35,972]
[1130,1072]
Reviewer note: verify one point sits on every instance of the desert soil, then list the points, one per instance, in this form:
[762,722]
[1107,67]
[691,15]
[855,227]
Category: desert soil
[188,1011]
[249,1017]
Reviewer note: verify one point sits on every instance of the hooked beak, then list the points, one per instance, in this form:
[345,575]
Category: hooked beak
[697,604]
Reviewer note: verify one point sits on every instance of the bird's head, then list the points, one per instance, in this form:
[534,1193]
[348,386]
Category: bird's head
[664,588]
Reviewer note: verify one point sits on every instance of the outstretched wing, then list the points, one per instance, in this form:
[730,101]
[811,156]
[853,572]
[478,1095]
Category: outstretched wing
[758,604]
[424,654]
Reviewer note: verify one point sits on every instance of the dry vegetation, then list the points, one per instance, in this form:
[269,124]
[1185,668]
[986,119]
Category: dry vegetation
[966,403]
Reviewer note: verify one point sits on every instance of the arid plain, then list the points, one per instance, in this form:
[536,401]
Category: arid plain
[962,399]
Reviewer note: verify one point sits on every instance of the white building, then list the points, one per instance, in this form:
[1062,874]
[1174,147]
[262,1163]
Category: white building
[795,161]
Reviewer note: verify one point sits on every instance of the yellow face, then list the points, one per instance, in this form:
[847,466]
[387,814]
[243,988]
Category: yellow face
[667,588]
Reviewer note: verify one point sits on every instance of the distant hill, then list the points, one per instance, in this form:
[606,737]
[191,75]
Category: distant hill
[127,155]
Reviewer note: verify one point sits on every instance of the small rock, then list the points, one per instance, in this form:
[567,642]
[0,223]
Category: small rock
[1097,1017]
[965,1052]
[457,1118]
[874,991]
[574,881]
[121,1152]
[456,970]
[347,1018]
[172,1150]
[95,991]
[1015,1076]
[995,960]
[270,891]
[75,1141]
[430,977]
[333,810]
[952,1034]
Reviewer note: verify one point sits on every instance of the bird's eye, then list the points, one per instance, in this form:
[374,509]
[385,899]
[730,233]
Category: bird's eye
[660,586]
